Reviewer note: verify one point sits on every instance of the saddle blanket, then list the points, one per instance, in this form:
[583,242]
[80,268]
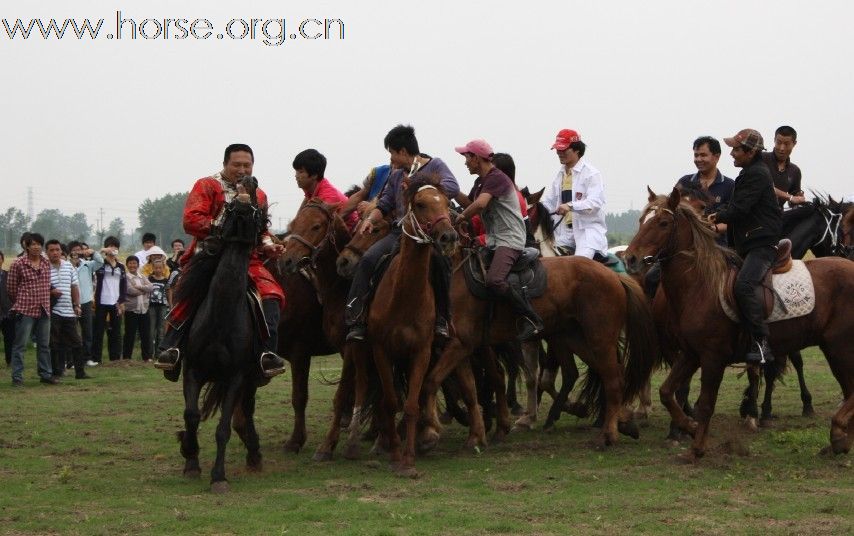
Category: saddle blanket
[794,295]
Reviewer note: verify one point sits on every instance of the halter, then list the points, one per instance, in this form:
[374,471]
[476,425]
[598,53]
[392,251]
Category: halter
[421,230]
[830,229]
[330,236]
[649,260]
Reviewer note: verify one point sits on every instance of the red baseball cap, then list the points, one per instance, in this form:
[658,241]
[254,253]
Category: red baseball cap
[564,138]
[477,147]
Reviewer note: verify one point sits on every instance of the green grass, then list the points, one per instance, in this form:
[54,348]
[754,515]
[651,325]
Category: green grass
[100,457]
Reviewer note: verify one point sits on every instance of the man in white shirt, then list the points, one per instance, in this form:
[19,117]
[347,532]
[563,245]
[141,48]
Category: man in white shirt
[577,195]
[148,242]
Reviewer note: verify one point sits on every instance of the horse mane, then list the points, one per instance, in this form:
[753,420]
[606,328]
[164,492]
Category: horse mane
[545,223]
[694,191]
[353,189]
[420,180]
[710,260]
[196,277]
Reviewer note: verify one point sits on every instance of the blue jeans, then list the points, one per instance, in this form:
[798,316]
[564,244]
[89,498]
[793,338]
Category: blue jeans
[24,327]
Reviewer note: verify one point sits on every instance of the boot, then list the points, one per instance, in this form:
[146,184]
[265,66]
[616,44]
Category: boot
[532,323]
[169,358]
[354,318]
[760,353]
[271,363]
[440,279]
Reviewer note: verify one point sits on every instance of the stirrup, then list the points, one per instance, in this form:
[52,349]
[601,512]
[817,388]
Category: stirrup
[269,373]
[357,332]
[168,365]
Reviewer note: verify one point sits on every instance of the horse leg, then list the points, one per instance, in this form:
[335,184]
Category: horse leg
[450,359]
[477,429]
[359,356]
[300,367]
[605,363]
[412,411]
[748,409]
[569,375]
[682,393]
[516,409]
[243,422]
[189,437]
[771,373]
[841,360]
[806,398]
[531,361]
[219,484]
[327,446]
[645,402]
[710,382]
[680,376]
[388,407]
[496,378]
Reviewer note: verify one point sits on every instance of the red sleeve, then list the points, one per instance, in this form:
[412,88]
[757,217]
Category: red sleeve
[523,204]
[197,210]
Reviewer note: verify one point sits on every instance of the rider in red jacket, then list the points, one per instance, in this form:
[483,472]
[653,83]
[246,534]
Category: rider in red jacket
[203,210]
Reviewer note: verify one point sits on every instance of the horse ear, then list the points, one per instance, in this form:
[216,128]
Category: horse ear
[535,198]
[652,197]
[336,207]
[673,199]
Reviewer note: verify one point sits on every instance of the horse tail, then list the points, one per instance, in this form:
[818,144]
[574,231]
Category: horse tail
[640,351]
[591,397]
[217,390]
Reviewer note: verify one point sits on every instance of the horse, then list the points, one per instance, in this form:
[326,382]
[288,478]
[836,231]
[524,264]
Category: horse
[694,269]
[402,314]
[848,231]
[222,342]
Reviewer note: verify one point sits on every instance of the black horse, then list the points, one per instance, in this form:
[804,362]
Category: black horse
[223,341]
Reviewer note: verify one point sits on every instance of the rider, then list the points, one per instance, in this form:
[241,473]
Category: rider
[785,174]
[577,194]
[755,222]
[406,160]
[204,210]
[496,200]
[309,168]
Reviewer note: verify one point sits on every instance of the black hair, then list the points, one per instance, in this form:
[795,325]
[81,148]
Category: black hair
[505,163]
[177,240]
[402,137]
[714,145]
[312,161]
[132,258]
[73,244]
[579,147]
[787,131]
[53,241]
[148,237]
[23,240]
[29,238]
[111,241]
[237,147]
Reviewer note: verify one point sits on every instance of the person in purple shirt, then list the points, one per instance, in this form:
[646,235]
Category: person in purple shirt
[406,161]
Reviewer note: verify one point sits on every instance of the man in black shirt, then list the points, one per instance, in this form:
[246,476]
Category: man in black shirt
[785,174]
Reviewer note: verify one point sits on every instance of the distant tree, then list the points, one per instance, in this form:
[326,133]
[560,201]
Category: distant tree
[164,217]
[13,223]
[117,229]
[52,223]
[79,228]
[622,227]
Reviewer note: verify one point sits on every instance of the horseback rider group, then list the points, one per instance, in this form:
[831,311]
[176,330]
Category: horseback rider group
[576,197]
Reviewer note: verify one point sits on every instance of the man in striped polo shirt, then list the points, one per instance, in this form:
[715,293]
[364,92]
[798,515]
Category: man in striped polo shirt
[65,308]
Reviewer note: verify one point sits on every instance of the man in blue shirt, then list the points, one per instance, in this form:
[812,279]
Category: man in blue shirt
[86,261]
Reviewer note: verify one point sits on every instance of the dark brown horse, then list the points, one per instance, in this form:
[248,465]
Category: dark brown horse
[693,271]
[402,314]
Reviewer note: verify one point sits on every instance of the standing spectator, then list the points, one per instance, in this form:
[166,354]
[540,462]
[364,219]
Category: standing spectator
[148,242]
[170,286]
[136,311]
[110,293]
[86,261]
[158,304]
[65,292]
[7,323]
[29,290]
[177,251]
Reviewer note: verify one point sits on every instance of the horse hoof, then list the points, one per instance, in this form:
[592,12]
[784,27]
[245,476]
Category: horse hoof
[750,424]
[351,452]
[520,427]
[322,456]
[254,464]
[687,457]
[577,410]
[406,471]
[629,428]
[549,428]
[219,487]
[293,446]
[766,423]
[808,412]
[446,418]
[840,445]
[192,472]
[517,411]
[474,444]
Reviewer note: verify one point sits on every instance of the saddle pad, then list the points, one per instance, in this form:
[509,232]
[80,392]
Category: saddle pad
[531,281]
[794,295]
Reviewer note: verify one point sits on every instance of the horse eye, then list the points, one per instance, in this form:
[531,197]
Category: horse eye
[419,205]
[315,227]
[663,223]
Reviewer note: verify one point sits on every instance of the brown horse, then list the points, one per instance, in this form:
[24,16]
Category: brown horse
[848,231]
[402,314]
[584,308]
[693,272]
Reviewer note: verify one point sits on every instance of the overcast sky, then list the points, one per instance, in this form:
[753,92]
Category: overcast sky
[108,123]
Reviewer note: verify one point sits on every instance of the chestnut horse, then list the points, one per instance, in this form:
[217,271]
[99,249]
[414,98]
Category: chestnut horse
[693,272]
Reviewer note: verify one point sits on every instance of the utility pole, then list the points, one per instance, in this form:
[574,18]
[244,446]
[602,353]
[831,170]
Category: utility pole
[30,211]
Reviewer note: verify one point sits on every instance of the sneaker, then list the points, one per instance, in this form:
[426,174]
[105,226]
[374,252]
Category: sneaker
[91,363]
[760,354]
[83,376]
[271,364]
[53,380]
[357,332]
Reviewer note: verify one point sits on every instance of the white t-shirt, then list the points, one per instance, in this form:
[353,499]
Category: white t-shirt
[110,286]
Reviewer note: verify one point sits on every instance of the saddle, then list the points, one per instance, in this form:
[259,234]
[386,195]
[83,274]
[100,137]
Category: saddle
[257,312]
[788,295]
[527,276]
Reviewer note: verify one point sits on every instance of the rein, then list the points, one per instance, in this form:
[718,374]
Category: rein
[649,260]
[421,230]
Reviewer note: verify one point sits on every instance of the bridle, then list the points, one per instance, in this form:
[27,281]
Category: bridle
[662,255]
[421,231]
[832,229]
[311,258]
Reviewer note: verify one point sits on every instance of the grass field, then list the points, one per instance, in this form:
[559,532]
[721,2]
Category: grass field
[100,457]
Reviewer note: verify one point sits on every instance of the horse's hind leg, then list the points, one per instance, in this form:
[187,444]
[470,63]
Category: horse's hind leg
[806,398]
[679,377]
[496,377]
[300,367]
[219,484]
[515,351]
[749,409]
[243,422]
[569,375]
[342,394]
[477,429]
[841,363]
[189,437]
[771,373]
[531,360]
[710,382]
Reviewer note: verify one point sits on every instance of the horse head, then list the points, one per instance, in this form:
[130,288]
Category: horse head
[538,215]
[243,220]
[349,257]
[427,220]
[656,235]
[308,233]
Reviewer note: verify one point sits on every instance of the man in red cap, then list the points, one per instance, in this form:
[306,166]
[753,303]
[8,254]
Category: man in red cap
[577,195]
[203,211]
[754,224]
[496,201]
